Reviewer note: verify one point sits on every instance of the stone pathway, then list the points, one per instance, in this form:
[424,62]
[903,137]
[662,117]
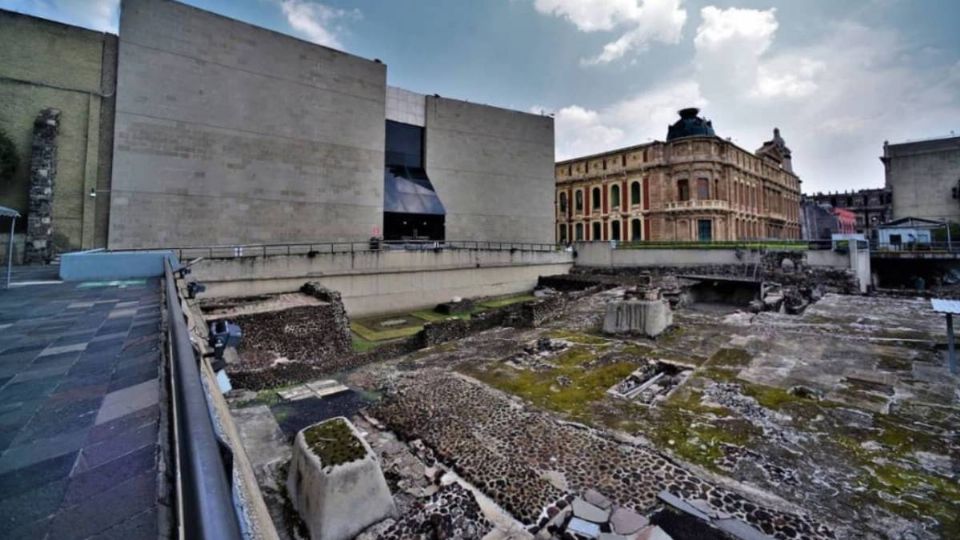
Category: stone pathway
[80,411]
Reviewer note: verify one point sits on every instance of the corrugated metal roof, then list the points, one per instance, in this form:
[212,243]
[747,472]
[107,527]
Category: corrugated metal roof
[942,305]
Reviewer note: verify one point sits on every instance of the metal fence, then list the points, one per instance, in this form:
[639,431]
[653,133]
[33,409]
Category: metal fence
[203,463]
[768,244]
[319,248]
[916,247]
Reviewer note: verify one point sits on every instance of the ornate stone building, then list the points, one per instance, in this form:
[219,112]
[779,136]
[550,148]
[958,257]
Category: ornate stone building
[694,186]
[872,207]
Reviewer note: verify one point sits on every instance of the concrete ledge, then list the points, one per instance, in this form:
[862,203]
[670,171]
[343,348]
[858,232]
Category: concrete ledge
[110,265]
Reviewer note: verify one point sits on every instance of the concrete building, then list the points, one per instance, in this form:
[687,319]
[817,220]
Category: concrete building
[229,134]
[871,207]
[924,177]
[48,65]
[693,186]
[820,221]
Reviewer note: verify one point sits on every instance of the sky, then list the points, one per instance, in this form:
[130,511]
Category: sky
[837,77]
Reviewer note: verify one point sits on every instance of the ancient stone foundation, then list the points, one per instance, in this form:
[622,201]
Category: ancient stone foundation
[335,481]
[43,174]
[646,317]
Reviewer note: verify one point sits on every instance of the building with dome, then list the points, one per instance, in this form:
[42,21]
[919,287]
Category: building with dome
[693,186]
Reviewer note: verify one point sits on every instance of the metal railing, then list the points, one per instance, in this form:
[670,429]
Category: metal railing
[207,508]
[916,247]
[319,248]
[697,204]
[769,244]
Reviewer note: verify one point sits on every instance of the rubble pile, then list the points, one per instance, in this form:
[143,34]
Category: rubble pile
[451,512]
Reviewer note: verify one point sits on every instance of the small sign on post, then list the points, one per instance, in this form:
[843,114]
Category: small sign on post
[949,308]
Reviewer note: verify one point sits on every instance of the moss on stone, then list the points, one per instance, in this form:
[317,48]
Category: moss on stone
[334,443]
[581,338]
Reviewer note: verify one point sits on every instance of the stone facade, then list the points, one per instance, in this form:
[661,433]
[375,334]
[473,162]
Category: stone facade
[48,65]
[43,176]
[924,177]
[872,207]
[696,187]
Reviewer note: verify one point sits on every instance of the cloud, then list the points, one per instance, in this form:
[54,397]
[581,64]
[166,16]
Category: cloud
[316,22]
[101,15]
[581,131]
[639,21]
[836,97]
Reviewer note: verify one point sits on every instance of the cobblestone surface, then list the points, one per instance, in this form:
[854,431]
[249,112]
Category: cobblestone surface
[510,451]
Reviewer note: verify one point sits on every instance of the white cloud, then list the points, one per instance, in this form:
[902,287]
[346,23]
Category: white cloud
[835,98]
[317,22]
[581,131]
[639,21]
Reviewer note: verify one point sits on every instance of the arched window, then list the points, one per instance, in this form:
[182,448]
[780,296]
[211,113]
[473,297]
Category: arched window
[615,230]
[563,233]
[595,233]
[563,203]
[579,230]
[595,198]
[683,190]
[635,233]
[615,196]
[578,201]
[635,193]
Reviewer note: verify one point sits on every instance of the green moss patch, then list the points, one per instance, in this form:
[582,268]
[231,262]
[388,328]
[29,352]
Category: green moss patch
[334,443]
[578,337]
[385,334]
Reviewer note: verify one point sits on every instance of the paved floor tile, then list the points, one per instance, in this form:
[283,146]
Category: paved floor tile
[70,355]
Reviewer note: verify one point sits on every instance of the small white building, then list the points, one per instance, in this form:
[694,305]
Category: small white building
[907,233]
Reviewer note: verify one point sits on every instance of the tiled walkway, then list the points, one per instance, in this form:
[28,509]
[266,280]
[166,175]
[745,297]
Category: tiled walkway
[80,410]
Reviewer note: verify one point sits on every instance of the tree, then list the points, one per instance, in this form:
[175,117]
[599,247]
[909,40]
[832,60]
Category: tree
[9,160]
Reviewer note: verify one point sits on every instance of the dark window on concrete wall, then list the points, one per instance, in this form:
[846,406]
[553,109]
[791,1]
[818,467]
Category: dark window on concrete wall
[579,201]
[635,193]
[683,190]
[635,234]
[404,144]
[563,233]
[596,233]
[615,196]
[595,198]
[579,231]
[563,203]
[614,230]
[704,230]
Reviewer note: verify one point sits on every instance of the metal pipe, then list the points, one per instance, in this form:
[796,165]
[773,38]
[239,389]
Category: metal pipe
[13,221]
[208,509]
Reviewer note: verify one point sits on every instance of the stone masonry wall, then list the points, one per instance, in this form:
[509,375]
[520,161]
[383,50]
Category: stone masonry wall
[43,175]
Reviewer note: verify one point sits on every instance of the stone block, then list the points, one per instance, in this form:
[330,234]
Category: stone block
[646,317]
[335,481]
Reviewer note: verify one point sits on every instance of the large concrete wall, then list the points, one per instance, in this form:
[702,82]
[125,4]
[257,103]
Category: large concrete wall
[493,170]
[228,133]
[44,64]
[384,281]
[923,175]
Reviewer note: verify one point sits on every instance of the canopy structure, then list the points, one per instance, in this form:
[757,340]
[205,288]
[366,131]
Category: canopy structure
[13,215]
[409,191]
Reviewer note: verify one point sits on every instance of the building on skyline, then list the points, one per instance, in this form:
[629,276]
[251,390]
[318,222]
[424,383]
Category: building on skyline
[871,207]
[693,186]
[193,129]
[924,178]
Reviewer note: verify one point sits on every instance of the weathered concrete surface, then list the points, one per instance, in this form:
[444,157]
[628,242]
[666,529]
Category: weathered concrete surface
[228,133]
[337,501]
[647,317]
[384,281]
[493,170]
[922,174]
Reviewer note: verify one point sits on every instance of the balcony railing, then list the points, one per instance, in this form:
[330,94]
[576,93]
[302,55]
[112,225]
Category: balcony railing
[697,204]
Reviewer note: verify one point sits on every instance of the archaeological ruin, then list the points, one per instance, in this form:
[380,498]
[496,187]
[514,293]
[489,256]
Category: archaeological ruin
[766,399]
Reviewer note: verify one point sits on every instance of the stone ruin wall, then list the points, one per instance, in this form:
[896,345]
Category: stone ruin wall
[43,175]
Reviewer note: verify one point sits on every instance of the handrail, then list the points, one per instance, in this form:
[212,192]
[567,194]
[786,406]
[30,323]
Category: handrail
[305,248]
[207,509]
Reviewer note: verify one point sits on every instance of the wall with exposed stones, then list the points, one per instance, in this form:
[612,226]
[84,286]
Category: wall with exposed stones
[48,65]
